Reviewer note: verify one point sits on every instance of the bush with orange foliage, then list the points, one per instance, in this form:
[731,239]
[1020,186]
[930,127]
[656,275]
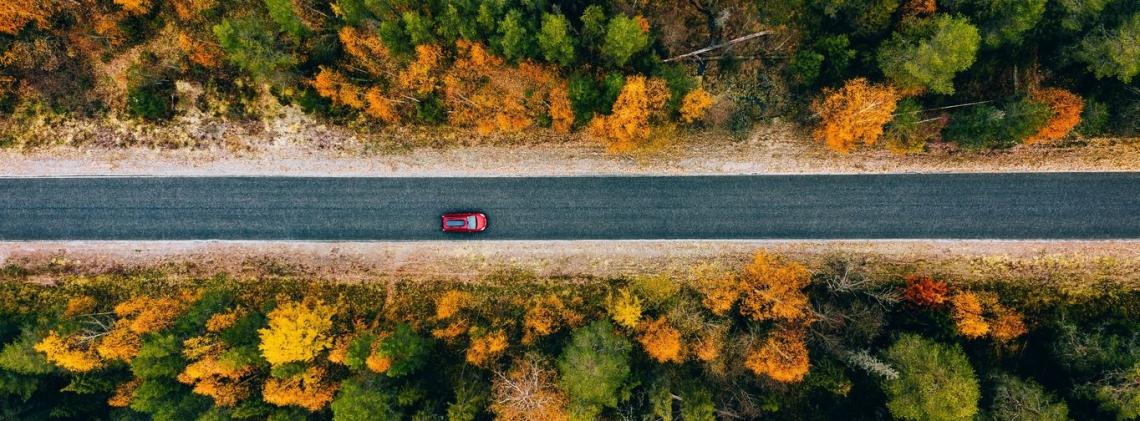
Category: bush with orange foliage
[486,347]
[924,291]
[772,289]
[545,315]
[450,303]
[694,104]
[529,391]
[422,75]
[783,357]
[661,341]
[1066,108]
[640,100]
[202,53]
[719,292]
[123,394]
[967,314]
[481,90]
[135,7]
[336,87]
[855,113]
[307,390]
[1007,325]
[14,15]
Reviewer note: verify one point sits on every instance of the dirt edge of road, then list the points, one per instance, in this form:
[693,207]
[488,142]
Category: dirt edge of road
[1069,265]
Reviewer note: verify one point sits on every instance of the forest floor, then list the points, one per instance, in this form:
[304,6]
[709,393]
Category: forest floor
[294,144]
[1076,267]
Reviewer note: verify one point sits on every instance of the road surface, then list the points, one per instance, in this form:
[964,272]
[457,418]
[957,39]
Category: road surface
[946,206]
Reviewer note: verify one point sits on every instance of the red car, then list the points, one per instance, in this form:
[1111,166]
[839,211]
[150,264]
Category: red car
[464,222]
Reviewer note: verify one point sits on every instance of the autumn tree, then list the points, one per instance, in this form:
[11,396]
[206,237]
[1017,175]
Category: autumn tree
[855,113]
[967,312]
[528,391]
[772,289]
[925,54]
[694,105]
[661,341]
[593,367]
[625,308]
[14,15]
[925,291]
[640,100]
[936,382]
[1066,108]
[297,331]
[783,357]
[309,389]
[485,347]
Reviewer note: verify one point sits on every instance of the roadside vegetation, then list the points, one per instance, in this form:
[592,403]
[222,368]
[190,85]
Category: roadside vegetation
[900,73]
[771,339]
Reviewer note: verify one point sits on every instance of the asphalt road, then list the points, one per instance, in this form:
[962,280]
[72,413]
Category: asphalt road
[949,206]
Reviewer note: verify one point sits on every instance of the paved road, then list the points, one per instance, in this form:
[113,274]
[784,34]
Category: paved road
[1006,206]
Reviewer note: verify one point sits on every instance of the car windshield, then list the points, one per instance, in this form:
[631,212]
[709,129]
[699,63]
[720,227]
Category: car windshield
[455,223]
[471,222]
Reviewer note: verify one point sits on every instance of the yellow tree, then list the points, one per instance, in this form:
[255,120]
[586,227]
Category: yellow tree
[625,308]
[694,104]
[309,390]
[69,353]
[966,310]
[855,113]
[772,289]
[783,357]
[661,341]
[639,101]
[297,332]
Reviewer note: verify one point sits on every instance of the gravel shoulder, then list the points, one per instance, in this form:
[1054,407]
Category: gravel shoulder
[1073,266]
[293,144]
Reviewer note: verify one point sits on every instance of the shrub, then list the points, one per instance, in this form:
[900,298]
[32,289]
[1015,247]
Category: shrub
[1016,399]
[986,126]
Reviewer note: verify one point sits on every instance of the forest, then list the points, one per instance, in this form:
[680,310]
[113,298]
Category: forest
[899,74]
[768,339]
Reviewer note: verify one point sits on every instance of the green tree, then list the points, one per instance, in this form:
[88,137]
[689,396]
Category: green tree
[407,350]
[251,44]
[935,381]
[1114,53]
[418,27]
[363,398]
[987,126]
[927,53]
[515,40]
[624,39]
[1007,22]
[281,11]
[1119,392]
[1023,400]
[872,17]
[593,25]
[150,93]
[555,41]
[593,367]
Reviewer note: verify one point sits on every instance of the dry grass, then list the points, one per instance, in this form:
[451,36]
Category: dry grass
[285,141]
[1073,268]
